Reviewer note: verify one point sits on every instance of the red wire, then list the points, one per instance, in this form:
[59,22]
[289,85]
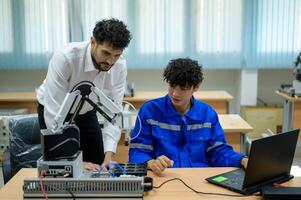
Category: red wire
[42,186]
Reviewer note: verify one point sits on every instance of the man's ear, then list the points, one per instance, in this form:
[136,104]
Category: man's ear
[93,41]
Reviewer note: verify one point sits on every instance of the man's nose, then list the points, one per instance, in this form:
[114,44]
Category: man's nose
[175,92]
[110,60]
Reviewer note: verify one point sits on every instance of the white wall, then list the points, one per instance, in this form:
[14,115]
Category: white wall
[229,80]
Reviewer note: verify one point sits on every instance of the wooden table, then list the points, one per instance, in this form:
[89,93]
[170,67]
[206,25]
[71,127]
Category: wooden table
[291,112]
[19,100]
[235,129]
[194,177]
[218,99]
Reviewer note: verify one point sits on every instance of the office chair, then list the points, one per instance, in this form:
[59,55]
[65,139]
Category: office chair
[24,145]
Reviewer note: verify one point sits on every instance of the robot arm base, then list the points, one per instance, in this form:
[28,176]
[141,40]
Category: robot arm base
[62,144]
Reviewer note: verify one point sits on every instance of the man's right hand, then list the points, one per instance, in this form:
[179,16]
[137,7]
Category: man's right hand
[91,166]
[160,164]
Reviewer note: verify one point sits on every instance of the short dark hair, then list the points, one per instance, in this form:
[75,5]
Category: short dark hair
[183,72]
[112,31]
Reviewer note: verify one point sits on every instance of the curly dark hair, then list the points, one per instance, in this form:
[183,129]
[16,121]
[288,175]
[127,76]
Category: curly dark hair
[112,31]
[183,72]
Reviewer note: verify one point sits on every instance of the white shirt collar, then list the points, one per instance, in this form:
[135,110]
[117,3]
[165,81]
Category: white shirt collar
[89,66]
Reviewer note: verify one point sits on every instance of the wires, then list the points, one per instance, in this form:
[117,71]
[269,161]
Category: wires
[43,189]
[42,185]
[139,120]
[122,170]
[71,193]
[198,192]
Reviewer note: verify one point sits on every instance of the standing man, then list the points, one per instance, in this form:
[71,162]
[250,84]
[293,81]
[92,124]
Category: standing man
[178,130]
[99,61]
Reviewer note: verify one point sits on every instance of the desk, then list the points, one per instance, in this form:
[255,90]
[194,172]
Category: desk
[194,177]
[19,100]
[235,129]
[219,100]
[291,112]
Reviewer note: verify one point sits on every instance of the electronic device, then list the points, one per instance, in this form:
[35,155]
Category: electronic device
[119,169]
[294,89]
[64,168]
[281,193]
[270,161]
[60,169]
[121,180]
[129,187]
[62,139]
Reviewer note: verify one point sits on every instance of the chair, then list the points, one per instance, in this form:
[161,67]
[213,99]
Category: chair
[24,145]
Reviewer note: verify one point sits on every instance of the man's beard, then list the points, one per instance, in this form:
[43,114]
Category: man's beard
[98,66]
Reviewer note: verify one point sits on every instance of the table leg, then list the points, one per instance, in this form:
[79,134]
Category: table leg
[287,116]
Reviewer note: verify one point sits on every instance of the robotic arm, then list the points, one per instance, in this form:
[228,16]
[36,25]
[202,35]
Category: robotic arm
[297,74]
[295,88]
[75,100]
[62,140]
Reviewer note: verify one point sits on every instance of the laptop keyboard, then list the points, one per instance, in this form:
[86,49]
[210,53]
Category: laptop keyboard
[236,180]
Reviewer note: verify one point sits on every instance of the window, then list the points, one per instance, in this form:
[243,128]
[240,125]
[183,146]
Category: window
[46,25]
[218,33]
[6,27]
[160,26]
[279,28]
[95,10]
[219,26]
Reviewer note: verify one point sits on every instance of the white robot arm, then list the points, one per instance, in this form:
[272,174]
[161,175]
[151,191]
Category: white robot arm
[75,99]
[65,134]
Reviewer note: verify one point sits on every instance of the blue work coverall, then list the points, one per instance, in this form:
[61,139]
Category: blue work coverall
[195,139]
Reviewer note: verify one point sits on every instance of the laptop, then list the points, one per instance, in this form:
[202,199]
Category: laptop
[270,161]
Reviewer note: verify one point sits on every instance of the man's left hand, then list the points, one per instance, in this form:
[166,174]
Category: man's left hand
[109,155]
[244,162]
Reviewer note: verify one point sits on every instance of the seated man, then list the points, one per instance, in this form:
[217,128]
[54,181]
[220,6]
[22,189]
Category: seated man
[178,130]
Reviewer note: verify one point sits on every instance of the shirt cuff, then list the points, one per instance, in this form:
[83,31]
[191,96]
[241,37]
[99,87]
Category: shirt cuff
[109,145]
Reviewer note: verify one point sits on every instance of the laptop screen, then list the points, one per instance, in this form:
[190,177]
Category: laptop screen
[270,157]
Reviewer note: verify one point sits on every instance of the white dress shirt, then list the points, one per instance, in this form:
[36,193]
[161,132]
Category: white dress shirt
[72,65]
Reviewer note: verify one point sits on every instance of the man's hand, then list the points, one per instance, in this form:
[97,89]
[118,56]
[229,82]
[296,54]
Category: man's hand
[108,159]
[244,162]
[94,167]
[160,164]
[91,166]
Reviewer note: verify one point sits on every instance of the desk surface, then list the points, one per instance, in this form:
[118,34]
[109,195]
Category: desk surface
[217,99]
[17,96]
[204,95]
[194,177]
[287,97]
[139,96]
[233,123]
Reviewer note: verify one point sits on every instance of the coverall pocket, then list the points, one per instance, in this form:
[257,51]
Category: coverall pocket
[198,149]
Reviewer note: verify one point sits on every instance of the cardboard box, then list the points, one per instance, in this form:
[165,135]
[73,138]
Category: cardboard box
[262,118]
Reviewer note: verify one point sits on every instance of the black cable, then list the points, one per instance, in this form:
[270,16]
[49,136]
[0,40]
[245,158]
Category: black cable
[72,195]
[68,189]
[199,192]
